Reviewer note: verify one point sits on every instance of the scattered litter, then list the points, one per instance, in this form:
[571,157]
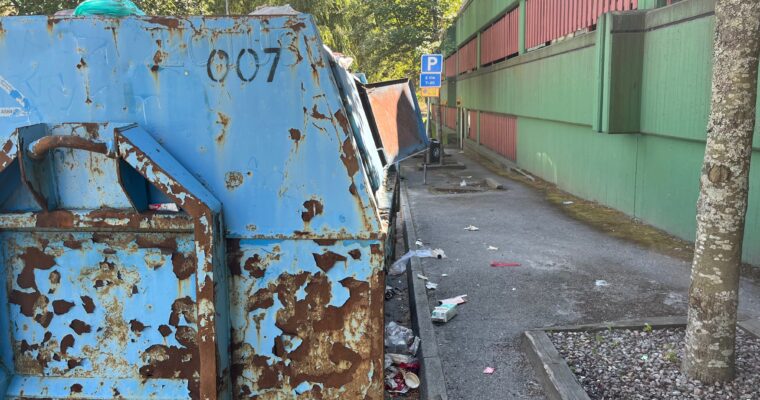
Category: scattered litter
[454,300]
[514,288]
[461,152]
[431,285]
[397,359]
[444,313]
[394,381]
[168,207]
[567,203]
[419,243]
[489,371]
[399,267]
[400,339]
[491,248]
[463,183]
[493,184]
[423,277]
[390,292]
[497,264]
[601,283]
[411,379]
[444,275]
[472,228]
[438,253]
[400,380]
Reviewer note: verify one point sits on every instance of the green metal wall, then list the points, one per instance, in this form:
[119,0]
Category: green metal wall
[564,94]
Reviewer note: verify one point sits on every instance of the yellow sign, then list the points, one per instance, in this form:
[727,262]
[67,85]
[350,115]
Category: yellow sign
[430,91]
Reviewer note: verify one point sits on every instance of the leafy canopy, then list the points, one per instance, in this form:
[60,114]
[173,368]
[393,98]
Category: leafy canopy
[386,37]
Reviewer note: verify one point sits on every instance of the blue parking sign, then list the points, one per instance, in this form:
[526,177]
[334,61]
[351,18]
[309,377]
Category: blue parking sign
[432,63]
[430,80]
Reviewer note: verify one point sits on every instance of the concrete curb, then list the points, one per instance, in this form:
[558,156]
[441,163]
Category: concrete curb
[433,385]
[551,369]
[555,376]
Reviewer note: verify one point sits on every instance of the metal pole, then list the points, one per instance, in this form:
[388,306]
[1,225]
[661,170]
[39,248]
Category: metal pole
[440,143]
[427,121]
[227,7]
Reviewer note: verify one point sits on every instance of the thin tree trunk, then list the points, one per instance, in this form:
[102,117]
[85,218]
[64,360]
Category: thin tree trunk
[713,297]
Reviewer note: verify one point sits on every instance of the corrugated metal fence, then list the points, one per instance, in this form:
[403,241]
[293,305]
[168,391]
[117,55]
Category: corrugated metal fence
[450,117]
[501,39]
[468,57]
[498,132]
[450,66]
[547,20]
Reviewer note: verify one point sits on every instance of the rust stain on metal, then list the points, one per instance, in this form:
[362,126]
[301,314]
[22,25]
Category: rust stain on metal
[335,368]
[40,148]
[61,307]
[342,120]
[313,208]
[165,243]
[165,330]
[72,244]
[33,258]
[376,249]
[158,58]
[88,304]
[356,254]
[325,242]
[254,265]
[184,266]
[26,301]
[233,180]
[316,114]
[224,121]
[348,156]
[295,135]
[168,22]
[172,362]
[5,156]
[66,343]
[80,327]
[327,261]
[184,307]
[136,326]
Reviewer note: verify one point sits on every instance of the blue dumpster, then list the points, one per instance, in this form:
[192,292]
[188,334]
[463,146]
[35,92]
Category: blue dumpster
[193,208]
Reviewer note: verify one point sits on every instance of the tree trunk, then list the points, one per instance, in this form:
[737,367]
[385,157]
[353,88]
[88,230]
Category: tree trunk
[713,297]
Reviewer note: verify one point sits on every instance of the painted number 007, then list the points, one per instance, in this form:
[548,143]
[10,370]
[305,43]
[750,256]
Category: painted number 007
[218,66]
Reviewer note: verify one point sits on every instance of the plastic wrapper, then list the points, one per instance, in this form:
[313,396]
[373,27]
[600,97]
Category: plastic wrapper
[110,8]
[400,339]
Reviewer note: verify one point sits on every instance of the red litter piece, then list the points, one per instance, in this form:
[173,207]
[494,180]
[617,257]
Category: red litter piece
[504,264]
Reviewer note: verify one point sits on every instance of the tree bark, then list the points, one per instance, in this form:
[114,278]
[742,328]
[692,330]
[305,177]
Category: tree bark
[713,297]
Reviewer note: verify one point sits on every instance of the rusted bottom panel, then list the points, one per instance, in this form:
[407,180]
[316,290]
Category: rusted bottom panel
[307,319]
[99,315]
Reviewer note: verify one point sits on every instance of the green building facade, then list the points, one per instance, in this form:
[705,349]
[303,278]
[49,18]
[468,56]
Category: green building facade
[616,115]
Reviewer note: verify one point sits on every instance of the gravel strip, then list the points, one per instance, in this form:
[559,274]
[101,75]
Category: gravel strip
[626,364]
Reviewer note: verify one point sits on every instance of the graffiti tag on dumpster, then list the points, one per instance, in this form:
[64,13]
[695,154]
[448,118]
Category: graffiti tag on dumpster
[246,64]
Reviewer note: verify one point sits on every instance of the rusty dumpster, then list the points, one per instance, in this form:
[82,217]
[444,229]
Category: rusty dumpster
[193,208]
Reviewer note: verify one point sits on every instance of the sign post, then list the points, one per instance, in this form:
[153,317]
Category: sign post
[430,86]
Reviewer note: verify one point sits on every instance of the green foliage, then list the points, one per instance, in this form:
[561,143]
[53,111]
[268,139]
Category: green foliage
[648,328]
[386,37]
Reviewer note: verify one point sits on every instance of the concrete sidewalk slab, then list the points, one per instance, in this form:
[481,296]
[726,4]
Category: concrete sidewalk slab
[561,261]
